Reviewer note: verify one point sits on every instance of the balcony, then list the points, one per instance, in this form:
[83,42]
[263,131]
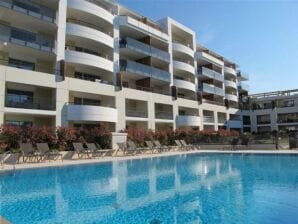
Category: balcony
[83,58]
[92,9]
[232,97]
[144,70]
[183,49]
[143,26]
[18,38]
[210,74]
[208,58]
[230,71]
[243,87]
[135,113]
[230,84]
[166,115]
[38,103]
[208,119]
[242,76]
[83,30]
[182,66]
[41,13]
[185,84]
[234,124]
[91,113]
[188,120]
[145,49]
[211,89]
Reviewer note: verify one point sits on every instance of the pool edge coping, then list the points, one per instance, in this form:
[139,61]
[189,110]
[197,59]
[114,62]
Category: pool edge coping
[59,163]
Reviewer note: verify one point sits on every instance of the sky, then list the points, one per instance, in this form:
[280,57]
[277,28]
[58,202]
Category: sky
[260,36]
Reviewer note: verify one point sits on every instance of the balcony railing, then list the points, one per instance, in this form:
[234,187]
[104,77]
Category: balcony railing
[135,113]
[242,75]
[211,89]
[5,36]
[25,102]
[145,70]
[144,48]
[49,17]
[243,86]
[149,89]
[210,74]
[164,115]
[208,119]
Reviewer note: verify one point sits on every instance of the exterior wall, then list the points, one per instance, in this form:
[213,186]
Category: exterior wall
[63,86]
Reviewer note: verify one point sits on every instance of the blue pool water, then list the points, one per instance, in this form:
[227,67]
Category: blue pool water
[200,188]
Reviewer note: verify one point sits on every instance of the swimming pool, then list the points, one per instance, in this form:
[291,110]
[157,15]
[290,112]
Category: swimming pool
[198,188]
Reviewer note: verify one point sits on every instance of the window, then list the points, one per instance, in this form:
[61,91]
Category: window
[85,76]
[19,99]
[23,35]
[19,123]
[21,64]
[26,6]
[82,101]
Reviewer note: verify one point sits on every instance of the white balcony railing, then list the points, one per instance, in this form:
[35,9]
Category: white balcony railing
[91,113]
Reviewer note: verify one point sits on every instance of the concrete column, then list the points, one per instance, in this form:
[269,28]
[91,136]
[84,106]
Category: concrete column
[61,23]
[215,120]
[116,49]
[175,113]
[120,105]
[62,100]
[2,93]
[253,121]
[273,119]
[151,114]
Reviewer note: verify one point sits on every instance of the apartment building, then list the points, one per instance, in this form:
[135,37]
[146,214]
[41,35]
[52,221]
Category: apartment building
[271,111]
[88,62]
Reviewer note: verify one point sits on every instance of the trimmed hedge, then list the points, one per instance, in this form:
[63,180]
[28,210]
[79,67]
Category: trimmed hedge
[57,137]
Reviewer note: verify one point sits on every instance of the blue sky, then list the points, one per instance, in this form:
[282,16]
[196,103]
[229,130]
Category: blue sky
[260,36]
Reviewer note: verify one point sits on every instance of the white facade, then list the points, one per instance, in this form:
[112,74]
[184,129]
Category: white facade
[272,111]
[83,62]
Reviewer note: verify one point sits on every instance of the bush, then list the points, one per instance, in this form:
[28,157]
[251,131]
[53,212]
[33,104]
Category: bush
[10,137]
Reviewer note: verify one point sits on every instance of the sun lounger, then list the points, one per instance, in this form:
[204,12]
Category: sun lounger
[81,151]
[152,147]
[180,146]
[28,152]
[96,152]
[3,156]
[45,152]
[187,146]
[132,148]
[162,147]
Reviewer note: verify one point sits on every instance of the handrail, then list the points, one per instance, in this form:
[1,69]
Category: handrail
[208,119]
[27,102]
[146,70]
[164,115]
[11,5]
[210,73]
[134,113]
[90,104]
[19,41]
[86,51]
[137,45]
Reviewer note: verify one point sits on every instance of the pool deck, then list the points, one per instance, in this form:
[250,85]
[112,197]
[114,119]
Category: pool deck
[9,167]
